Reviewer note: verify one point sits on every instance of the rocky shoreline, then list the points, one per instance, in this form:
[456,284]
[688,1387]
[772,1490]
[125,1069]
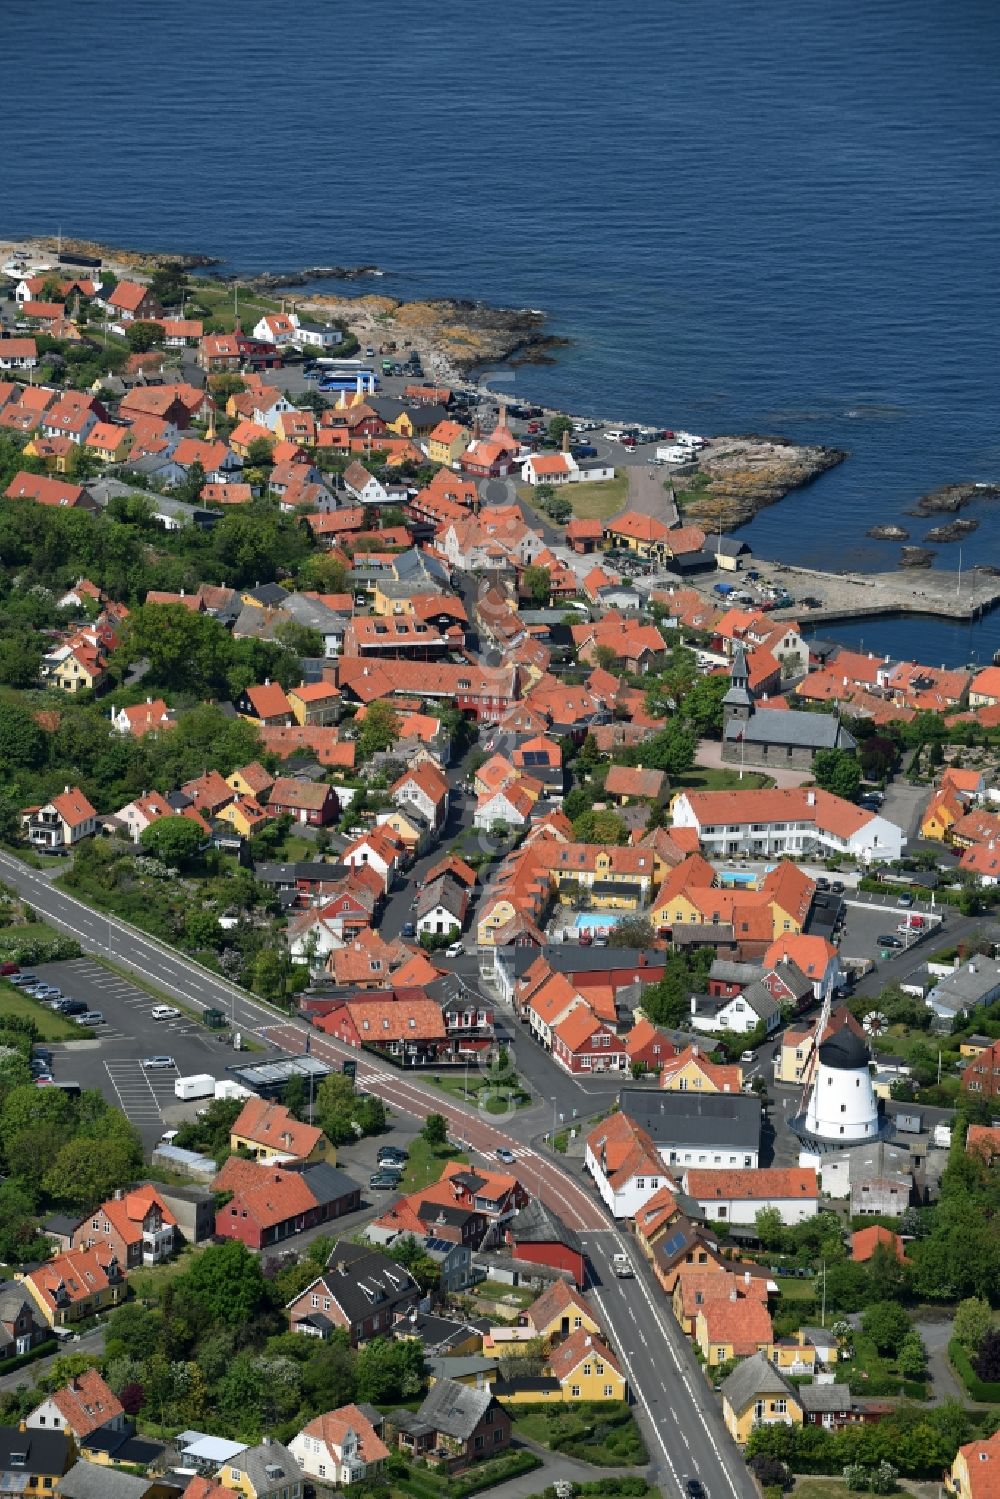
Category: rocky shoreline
[738,476]
[953,497]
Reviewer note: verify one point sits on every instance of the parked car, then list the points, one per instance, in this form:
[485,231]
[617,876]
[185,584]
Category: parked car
[746,1056]
[822,883]
[7,970]
[392,1153]
[157,1064]
[837,887]
[90,1018]
[409,930]
[887,940]
[164,1012]
[455,950]
[906,899]
[383,1181]
[71,1007]
[23,979]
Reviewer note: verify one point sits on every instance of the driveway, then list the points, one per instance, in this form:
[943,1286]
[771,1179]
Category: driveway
[30,1374]
[709,756]
[904,805]
[945,1384]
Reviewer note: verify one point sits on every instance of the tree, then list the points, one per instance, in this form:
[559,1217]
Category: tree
[81,1175]
[435,1130]
[671,750]
[174,840]
[606,657]
[599,827]
[634,931]
[557,426]
[191,487]
[973,1320]
[702,704]
[537,584]
[838,771]
[22,742]
[260,453]
[227,1283]
[388,1371]
[887,1324]
[987,1360]
[142,336]
[379,729]
[912,1357]
[770,1228]
[267,974]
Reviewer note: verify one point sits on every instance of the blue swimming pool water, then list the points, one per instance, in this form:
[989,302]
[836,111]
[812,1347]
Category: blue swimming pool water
[740,877]
[593,921]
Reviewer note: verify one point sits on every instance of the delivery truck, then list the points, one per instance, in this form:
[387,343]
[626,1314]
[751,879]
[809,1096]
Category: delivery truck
[198,1085]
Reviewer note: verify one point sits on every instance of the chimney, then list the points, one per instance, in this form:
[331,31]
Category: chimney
[734,1295]
[747,1277]
[810,798]
[565,442]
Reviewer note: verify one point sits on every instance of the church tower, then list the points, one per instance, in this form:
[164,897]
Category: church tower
[737,705]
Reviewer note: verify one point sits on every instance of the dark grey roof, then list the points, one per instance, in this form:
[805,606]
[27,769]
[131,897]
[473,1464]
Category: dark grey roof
[267,594]
[360,1279]
[727,546]
[269,1465]
[538,1224]
[824,1398]
[98,1481]
[314,615]
[460,1366]
[445,892]
[844,1051]
[437,1334]
[59,1223]
[570,957]
[727,972]
[754,1376]
[760,999]
[731,1119]
[538,1383]
[455,1409]
[788,727]
[326,1183]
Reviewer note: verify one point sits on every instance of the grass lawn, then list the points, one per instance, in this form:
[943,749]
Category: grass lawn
[51,1027]
[426,1164]
[594,501]
[604,1434]
[794,1289]
[496,1097]
[495,1290]
[819,1488]
[701,779]
[218,303]
[149,1284]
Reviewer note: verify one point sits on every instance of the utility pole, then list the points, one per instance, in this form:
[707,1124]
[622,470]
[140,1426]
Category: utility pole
[822,1321]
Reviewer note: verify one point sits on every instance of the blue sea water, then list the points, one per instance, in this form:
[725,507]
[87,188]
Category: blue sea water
[778,217]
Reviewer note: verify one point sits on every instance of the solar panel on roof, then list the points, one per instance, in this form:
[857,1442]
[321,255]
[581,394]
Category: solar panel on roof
[438,1246]
[675,1242]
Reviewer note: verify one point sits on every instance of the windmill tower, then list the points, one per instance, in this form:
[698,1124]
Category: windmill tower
[839,1107]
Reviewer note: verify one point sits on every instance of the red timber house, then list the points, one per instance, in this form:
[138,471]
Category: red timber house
[539,1235]
[581,1042]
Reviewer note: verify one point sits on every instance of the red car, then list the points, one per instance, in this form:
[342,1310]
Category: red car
[6,969]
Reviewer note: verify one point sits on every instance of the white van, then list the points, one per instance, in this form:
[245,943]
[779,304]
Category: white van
[164,1012]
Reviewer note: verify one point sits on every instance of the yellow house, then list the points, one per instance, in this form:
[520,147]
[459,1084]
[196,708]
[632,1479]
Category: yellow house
[690,1072]
[408,832]
[78,673]
[757,1394]
[262,1472]
[587,1369]
[495,917]
[974,1046]
[732,1327]
[943,811]
[76,1284]
[269,1133]
[109,443]
[245,815]
[974,1472]
[388,606]
[559,1312]
[55,453]
[314,703]
[447,442]
[795,1355]
[43,1463]
[251,780]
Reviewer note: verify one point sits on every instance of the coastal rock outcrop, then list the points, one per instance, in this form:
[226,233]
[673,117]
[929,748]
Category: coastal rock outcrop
[952,497]
[737,476]
[916,557]
[954,530]
[888,533]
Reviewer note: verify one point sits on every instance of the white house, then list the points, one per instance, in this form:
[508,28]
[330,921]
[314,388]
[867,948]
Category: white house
[18,354]
[511,805]
[374,850]
[339,1448]
[562,468]
[424,787]
[137,815]
[625,1165]
[270,404]
[278,328]
[365,488]
[317,335]
[312,937]
[798,820]
[441,909]
[62,821]
[738,1013]
[738,1196]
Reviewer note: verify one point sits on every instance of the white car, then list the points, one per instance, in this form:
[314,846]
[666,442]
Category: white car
[614,435]
[455,950]
[164,1012]
[155,1064]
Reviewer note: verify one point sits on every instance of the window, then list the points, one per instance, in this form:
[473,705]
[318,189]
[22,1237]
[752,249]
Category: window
[498,1435]
[608,1391]
[587,1369]
[479,1443]
[780,1407]
[575,1391]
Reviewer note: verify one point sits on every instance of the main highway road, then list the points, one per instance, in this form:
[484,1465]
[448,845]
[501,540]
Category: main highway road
[682,1425]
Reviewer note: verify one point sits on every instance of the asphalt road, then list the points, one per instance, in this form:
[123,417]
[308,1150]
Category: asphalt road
[681,1423]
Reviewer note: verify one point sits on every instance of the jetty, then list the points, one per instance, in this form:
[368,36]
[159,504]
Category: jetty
[948,594]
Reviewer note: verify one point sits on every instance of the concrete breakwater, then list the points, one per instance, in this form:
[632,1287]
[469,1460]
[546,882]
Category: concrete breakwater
[949,595]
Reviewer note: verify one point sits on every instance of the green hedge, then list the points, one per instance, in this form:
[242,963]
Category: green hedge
[988,1391]
[21,1360]
[487,1475]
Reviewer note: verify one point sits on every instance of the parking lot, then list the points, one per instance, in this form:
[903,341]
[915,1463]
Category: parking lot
[109,1058]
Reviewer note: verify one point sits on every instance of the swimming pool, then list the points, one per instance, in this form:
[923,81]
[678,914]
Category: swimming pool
[595,921]
[741,878]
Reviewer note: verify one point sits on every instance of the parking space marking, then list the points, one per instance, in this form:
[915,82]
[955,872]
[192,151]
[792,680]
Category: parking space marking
[137,1096]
